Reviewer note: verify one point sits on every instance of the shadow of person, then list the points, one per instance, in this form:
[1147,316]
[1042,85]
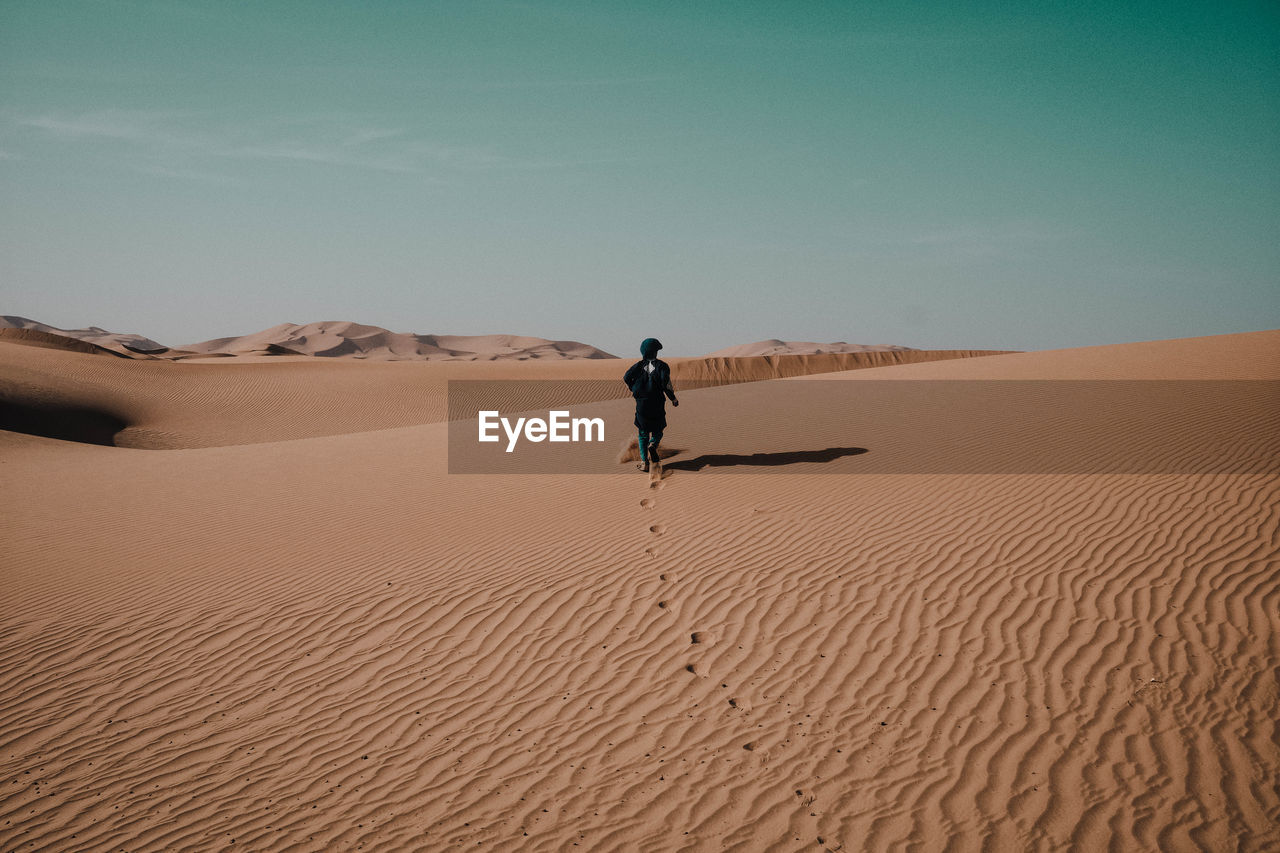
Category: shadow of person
[787,457]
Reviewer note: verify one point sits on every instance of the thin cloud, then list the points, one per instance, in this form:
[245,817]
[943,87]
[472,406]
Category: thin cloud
[330,156]
[319,140]
[190,145]
[984,242]
[967,236]
[188,175]
[558,84]
[127,126]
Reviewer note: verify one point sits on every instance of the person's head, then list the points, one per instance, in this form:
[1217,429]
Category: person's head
[649,347]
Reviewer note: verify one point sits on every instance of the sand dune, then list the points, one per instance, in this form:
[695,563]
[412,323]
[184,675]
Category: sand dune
[329,642]
[115,341]
[49,340]
[338,339]
[773,346]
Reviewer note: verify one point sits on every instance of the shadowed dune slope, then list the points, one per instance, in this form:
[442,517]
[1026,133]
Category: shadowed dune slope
[329,643]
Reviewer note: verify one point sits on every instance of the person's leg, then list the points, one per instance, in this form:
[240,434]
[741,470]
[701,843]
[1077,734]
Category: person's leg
[644,447]
[654,438]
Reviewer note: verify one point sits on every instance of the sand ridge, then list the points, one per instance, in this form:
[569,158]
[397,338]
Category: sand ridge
[328,642]
[774,346]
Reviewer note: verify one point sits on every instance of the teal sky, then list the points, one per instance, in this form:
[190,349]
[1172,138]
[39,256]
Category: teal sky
[930,174]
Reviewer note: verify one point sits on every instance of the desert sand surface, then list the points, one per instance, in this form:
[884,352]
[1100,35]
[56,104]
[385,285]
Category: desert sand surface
[270,619]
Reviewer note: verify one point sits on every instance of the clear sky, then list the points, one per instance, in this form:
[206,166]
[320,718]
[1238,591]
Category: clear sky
[945,174]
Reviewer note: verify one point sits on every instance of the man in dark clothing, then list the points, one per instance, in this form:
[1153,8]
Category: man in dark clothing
[649,381]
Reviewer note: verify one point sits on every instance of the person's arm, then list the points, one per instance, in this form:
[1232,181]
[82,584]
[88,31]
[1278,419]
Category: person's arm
[669,391]
[629,378]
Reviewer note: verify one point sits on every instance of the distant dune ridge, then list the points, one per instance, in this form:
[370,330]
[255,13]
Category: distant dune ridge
[327,339]
[773,346]
[344,339]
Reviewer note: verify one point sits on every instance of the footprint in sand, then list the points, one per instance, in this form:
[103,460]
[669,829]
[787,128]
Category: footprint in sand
[704,638]
[657,529]
[647,503]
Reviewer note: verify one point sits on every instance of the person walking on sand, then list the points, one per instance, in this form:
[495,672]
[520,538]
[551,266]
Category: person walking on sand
[649,381]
